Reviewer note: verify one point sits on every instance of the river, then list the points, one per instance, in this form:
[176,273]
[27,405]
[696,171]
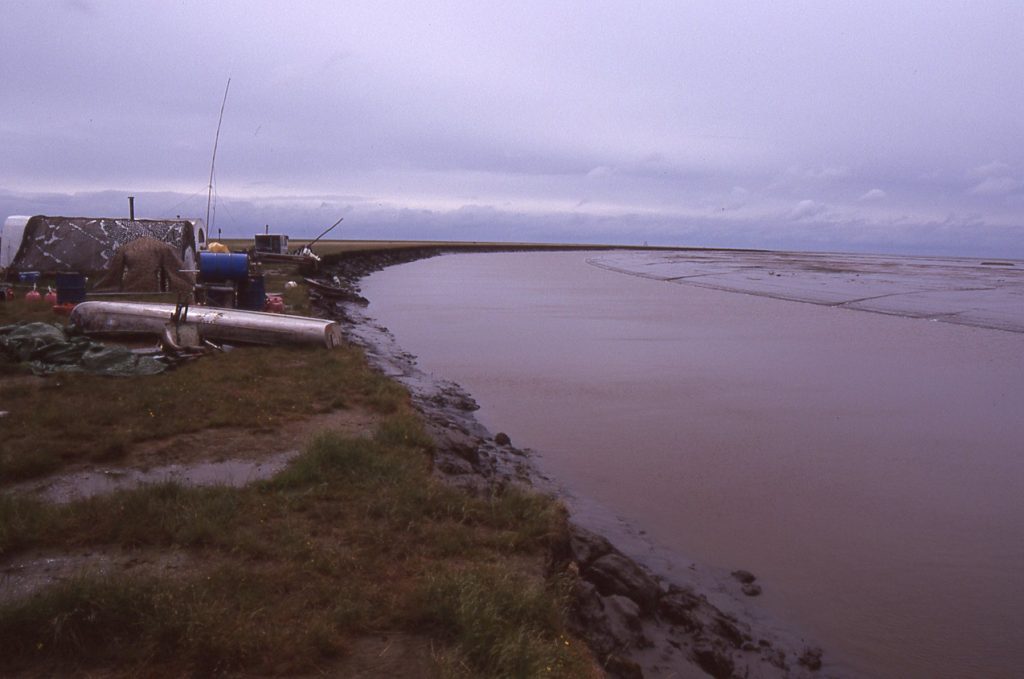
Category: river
[867,467]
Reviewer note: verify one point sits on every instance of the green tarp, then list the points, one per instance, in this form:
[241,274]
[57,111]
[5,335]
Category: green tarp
[48,348]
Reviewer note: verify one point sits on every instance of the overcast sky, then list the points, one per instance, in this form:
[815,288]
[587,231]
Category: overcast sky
[878,126]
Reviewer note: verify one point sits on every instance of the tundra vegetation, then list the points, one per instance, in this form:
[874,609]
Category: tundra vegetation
[353,559]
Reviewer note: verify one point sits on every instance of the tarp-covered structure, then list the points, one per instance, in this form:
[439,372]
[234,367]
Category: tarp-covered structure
[87,244]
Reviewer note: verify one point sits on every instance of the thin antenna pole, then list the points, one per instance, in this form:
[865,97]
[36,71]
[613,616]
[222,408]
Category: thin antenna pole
[327,231]
[216,139]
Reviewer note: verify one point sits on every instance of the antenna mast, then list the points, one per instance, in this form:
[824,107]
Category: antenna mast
[216,139]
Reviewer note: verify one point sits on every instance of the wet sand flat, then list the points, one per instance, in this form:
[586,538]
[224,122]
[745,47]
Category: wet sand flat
[977,292]
[866,466]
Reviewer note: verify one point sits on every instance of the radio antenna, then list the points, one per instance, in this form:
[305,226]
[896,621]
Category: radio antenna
[216,139]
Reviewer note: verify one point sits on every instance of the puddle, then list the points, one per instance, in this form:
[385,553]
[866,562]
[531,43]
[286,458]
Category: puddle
[83,484]
[28,573]
[175,458]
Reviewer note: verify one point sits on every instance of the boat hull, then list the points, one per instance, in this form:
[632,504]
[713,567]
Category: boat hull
[213,324]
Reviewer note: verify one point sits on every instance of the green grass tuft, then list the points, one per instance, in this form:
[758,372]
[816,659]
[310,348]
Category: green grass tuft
[403,430]
[214,624]
[355,462]
[501,623]
[21,521]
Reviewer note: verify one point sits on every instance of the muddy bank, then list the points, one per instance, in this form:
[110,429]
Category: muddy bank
[637,622]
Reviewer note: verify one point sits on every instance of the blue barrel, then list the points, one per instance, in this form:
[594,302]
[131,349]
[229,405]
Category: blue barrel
[223,266]
[70,288]
[252,293]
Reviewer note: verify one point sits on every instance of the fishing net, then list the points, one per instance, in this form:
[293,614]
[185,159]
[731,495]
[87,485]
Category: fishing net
[48,348]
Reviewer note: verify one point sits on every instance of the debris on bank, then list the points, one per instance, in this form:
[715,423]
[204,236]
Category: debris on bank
[221,296]
[49,348]
[189,326]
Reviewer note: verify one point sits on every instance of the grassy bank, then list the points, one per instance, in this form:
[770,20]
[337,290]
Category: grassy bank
[353,538]
[352,560]
[74,418]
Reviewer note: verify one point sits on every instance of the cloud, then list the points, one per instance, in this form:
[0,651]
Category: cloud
[994,169]
[738,196]
[810,225]
[82,6]
[819,173]
[996,186]
[831,173]
[431,108]
[993,179]
[806,209]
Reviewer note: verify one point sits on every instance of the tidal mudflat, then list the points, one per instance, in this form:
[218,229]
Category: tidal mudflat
[866,466]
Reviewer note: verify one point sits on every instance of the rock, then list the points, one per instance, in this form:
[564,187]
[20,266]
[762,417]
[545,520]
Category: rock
[588,602]
[586,546]
[623,621]
[729,630]
[469,454]
[713,660]
[459,443]
[502,439]
[615,574]
[746,577]
[751,589]
[472,484]
[811,659]
[622,668]
[608,624]
[676,605]
[452,465]
[778,658]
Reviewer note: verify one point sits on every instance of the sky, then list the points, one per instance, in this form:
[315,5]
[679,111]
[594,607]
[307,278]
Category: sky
[828,126]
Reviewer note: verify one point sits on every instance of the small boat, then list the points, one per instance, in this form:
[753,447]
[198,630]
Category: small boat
[211,323]
[328,290]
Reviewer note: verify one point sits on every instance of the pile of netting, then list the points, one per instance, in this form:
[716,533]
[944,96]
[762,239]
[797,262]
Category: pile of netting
[49,348]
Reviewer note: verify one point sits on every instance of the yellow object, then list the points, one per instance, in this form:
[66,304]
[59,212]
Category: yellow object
[214,246]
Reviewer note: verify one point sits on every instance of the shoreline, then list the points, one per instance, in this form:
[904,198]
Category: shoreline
[635,618]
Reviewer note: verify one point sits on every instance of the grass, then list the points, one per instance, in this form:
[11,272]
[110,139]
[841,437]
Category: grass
[354,536]
[18,309]
[70,418]
[63,419]
[353,540]
[503,623]
[213,624]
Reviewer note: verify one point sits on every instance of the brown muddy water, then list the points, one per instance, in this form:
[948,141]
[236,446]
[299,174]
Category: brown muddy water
[868,468]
